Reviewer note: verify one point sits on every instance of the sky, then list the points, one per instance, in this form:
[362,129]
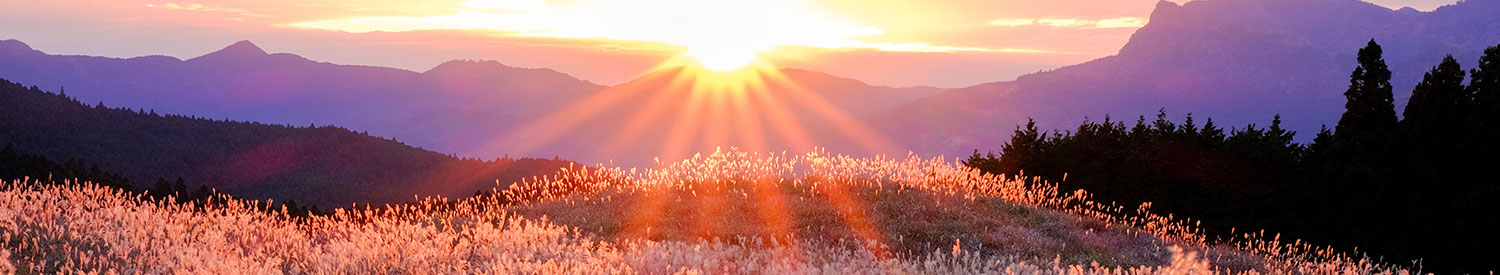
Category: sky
[942,43]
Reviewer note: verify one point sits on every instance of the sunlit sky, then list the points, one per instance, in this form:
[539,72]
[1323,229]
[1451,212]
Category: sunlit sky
[944,43]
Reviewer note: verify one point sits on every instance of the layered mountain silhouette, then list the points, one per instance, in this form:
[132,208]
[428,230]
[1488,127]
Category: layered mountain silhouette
[328,166]
[462,107]
[243,82]
[1237,61]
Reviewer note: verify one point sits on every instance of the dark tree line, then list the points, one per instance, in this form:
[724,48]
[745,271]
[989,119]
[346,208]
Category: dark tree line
[1423,186]
[16,167]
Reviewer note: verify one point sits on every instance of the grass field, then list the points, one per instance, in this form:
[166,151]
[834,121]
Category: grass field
[723,212]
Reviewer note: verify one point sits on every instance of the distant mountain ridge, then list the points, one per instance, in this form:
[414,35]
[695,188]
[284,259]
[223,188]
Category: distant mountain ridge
[1237,61]
[461,106]
[328,166]
[244,82]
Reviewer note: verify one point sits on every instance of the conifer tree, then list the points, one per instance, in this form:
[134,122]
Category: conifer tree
[1212,133]
[1369,114]
[1189,128]
[1434,125]
[1484,91]
[1437,104]
[1164,127]
[1023,150]
[1281,137]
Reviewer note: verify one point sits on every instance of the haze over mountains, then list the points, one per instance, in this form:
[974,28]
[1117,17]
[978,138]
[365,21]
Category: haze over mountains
[676,112]
[1237,61]
[461,106]
[243,82]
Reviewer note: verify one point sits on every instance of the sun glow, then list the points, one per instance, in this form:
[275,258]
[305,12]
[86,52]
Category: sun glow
[722,59]
[685,108]
[721,35]
[718,34]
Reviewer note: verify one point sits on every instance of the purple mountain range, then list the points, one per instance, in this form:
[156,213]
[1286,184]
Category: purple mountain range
[1237,61]
[460,107]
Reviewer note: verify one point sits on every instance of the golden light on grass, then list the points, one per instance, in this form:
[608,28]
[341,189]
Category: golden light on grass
[749,107]
[86,229]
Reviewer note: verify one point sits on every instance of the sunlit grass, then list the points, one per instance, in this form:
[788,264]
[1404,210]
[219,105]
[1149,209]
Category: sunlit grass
[725,212]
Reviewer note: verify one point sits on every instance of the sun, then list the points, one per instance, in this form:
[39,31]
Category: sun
[722,59]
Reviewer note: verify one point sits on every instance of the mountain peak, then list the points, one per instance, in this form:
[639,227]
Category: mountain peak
[1164,8]
[465,65]
[238,50]
[12,45]
[1167,4]
[243,47]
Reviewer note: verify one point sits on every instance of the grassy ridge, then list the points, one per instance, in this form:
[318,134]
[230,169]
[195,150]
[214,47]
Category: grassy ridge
[84,228]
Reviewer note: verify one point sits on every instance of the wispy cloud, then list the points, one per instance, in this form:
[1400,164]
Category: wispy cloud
[185,6]
[1121,22]
[467,20]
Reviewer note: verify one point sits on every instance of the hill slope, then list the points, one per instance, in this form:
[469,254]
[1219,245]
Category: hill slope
[611,220]
[313,165]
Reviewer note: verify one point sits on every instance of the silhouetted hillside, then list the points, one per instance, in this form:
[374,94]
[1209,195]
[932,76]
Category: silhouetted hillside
[322,165]
[1417,187]
[1238,61]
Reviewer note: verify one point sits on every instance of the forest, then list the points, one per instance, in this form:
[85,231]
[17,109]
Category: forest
[1421,186]
[38,169]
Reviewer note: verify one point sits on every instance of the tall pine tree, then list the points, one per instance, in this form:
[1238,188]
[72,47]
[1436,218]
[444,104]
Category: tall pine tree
[1485,86]
[1436,108]
[1022,153]
[1434,134]
[1484,90]
[1024,150]
[1369,114]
